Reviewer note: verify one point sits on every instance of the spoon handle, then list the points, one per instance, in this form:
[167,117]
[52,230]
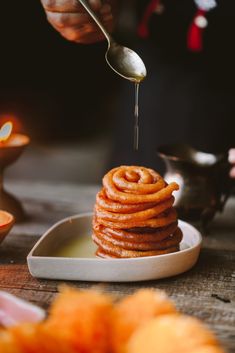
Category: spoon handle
[95,18]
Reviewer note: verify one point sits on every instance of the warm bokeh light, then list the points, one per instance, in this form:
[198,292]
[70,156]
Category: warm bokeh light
[16,121]
[5,131]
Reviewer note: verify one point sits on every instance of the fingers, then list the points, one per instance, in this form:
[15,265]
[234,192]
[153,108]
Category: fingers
[69,5]
[61,20]
[66,20]
[73,22]
[95,4]
[87,33]
[231,159]
[79,26]
[105,9]
[62,5]
[79,34]
[89,38]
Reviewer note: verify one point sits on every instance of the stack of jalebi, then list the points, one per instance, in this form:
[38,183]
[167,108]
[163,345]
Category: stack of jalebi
[134,214]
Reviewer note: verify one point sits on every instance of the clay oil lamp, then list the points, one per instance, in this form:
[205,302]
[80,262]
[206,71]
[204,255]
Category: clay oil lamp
[11,147]
[6,223]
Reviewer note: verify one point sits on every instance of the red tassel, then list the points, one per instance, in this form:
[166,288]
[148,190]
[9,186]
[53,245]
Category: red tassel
[195,33]
[143,30]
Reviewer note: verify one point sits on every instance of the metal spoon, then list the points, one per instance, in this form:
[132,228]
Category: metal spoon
[124,61]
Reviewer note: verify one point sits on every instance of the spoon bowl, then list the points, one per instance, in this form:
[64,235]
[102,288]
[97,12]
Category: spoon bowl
[125,62]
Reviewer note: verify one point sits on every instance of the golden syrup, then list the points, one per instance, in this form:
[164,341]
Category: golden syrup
[136,117]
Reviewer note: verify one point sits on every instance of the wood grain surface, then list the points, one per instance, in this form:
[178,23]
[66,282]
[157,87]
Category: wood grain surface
[207,291]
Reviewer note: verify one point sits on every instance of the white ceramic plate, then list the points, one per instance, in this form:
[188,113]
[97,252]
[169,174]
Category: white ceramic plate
[66,252]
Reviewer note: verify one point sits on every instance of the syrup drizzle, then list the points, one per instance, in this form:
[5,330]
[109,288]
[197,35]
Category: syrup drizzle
[136,117]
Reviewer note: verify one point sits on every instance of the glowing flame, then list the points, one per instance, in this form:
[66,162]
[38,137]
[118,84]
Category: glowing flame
[5,131]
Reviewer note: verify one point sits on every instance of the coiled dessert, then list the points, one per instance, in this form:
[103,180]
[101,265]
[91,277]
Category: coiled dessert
[134,214]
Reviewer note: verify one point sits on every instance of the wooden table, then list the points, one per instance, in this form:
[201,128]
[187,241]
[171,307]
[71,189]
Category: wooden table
[207,291]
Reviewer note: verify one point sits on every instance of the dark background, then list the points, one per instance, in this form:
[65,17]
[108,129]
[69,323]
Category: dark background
[56,89]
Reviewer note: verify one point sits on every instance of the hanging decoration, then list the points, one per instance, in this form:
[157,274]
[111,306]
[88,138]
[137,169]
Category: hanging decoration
[198,25]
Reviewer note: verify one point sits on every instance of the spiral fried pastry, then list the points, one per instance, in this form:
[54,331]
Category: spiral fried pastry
[134,214]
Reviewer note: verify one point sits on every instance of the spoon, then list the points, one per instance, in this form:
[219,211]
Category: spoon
[124,61]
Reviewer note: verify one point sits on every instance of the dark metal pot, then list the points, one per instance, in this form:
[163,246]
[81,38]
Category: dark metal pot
[203,179]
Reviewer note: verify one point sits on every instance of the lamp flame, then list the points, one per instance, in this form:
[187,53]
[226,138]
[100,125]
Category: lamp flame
[5,131]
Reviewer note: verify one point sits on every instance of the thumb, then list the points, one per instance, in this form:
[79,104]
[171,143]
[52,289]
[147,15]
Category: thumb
[95,4]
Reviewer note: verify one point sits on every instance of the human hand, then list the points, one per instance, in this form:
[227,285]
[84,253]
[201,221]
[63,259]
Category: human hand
[72,21]
[231,158]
